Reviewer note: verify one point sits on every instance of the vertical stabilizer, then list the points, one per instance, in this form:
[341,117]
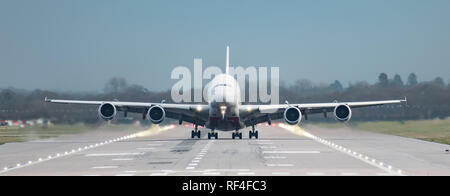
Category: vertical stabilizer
[228,61]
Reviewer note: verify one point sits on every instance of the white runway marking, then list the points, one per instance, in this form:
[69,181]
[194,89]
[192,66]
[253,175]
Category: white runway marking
[389,169]
[122,159]
[105,167]
[114,154]
[195,161]
[279,165]
[68,153]
[291,152]
[274,157]
[193,164]
[190,167]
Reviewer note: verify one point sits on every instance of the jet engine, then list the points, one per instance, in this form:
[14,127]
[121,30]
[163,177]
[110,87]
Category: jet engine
[292,115]
[107,111]
[156,114]
[342,113]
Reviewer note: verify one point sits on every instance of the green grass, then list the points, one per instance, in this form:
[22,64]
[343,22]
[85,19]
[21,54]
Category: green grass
[429,130]
[8,134]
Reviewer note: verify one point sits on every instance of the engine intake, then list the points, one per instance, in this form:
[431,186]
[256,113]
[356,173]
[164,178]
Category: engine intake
[156,114]
[107,111]
[292,115]
[342,113]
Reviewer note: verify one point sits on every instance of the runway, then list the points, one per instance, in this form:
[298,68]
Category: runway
[280,150]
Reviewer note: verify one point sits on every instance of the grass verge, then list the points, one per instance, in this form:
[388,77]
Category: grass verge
[429,130]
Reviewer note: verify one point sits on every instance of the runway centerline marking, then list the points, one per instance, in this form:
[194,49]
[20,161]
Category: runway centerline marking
[194,162]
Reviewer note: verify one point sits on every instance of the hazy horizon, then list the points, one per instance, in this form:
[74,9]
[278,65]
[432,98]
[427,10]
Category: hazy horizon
[79,45]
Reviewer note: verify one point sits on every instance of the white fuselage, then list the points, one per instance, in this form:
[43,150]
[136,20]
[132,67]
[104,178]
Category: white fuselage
[224,99]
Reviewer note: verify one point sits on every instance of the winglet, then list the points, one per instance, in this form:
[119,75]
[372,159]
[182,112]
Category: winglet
[227,68]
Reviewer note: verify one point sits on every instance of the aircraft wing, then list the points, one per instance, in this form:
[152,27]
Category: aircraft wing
[193,113]
[251,114]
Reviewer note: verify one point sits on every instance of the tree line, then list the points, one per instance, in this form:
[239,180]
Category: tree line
[426,99]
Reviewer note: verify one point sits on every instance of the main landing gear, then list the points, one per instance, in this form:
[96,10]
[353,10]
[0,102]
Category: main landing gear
[236,134]
[195,133]
[253,133]
[213,134]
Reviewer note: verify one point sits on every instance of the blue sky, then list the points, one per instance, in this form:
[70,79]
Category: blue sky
[78,45]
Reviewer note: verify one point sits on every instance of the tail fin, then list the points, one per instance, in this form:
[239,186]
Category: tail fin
[228,61]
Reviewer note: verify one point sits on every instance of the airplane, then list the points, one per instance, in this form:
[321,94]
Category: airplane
[224,111]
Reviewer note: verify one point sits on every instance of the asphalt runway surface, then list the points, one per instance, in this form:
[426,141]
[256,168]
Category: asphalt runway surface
[280,150]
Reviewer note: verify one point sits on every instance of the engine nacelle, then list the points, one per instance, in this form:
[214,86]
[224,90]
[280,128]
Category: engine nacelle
[342,113]
[107,111]
[292,115]
[156,114]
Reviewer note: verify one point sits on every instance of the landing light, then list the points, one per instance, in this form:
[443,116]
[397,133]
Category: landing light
[199,108]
